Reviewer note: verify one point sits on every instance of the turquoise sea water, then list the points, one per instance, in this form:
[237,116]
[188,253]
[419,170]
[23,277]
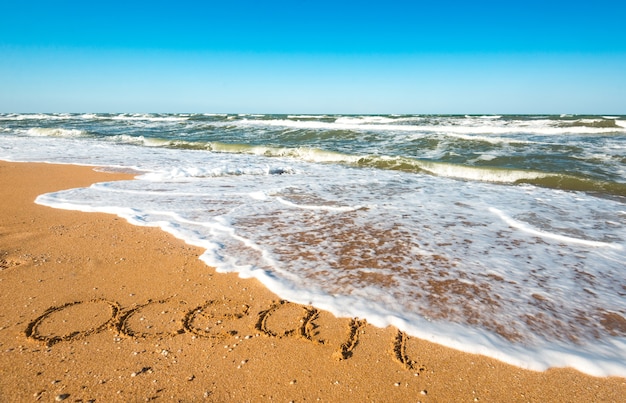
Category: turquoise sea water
[500,235]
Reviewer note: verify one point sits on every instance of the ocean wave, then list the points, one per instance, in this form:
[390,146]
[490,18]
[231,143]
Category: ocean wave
[308,154]
[535,150]
[34,116]
[489,139]
[89,116]
[577,184]
[146,117]
[55,132]
[308,116]
[593,123]
[397,163]
[150,119]
[156,142]
[547,128]
[488,117]
[494,175]
[136,140]
[471,126]
[377,120]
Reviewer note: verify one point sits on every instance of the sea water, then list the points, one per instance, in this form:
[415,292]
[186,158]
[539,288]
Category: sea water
[498,235]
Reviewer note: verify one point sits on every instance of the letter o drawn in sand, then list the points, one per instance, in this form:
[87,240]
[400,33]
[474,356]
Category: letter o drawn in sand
[211,319]
[72,321]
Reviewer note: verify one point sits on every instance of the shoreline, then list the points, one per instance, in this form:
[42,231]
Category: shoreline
[96,308]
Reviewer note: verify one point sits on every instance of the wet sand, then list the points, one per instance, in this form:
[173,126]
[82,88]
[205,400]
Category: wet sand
[95,309]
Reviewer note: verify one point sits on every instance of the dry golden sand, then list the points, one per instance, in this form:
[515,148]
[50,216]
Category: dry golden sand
[94,309]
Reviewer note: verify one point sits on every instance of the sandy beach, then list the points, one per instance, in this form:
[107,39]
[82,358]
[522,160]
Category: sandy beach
[95,309]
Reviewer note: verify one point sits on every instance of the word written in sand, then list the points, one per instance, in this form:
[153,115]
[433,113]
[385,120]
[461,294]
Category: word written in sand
[216,319]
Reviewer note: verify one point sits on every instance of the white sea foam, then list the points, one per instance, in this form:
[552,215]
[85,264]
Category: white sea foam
[55,132]
[364,120]
[468,127]
[488,117]
[485,157]
[186,173]
[558,237]
[147,117]
[317,155]
[490,139]
[302,153]
[33,116]
[308,116]
[318,207]
[480,174]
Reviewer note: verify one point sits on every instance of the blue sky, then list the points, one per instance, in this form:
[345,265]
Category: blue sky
[314,57]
